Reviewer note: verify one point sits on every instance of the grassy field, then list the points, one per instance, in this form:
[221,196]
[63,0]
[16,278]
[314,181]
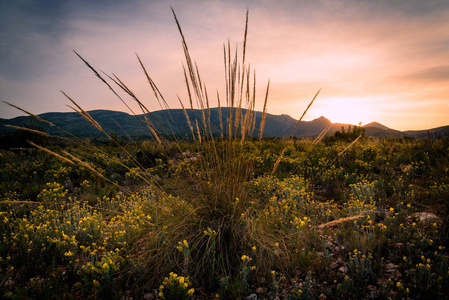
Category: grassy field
[225,216]
[178,223]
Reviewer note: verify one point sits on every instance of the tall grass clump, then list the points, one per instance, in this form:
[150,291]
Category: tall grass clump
[216,219]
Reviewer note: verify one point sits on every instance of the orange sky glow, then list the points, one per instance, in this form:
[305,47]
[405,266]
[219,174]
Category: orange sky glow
[383,61]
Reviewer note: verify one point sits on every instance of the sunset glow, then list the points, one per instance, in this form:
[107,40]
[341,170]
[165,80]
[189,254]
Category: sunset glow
[346,110]
[383,61]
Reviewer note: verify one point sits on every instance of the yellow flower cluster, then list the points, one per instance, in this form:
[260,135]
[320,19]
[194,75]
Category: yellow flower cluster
[175,285]
[183,247]
[246,258]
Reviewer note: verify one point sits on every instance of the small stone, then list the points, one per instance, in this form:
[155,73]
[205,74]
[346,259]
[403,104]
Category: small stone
[10,283]
[391,266]
[399,245]
[371,288]
[252,297]
[336,249]
[149,296]
[343,269]
[334,265]
[261,290]
[425,217]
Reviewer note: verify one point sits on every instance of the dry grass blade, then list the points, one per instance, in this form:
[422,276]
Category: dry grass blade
[52,153]
[278,161]
[103,80]
[349,146]
[159,97]
[339,221]
[19,202]
[187,118]
[32,115]
[80,141]
[84,114]
[144,110]
[304,113]
[321,135]
[154,87]
[220,115]
[93,171]
[198,130]
[264,113]
[147,113]
[91,120]
[29,130]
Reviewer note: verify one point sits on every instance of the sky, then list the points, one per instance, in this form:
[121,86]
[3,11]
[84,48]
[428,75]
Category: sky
[374,60]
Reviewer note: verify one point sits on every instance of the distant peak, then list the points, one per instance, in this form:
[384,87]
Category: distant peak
[322,120]
[376,125]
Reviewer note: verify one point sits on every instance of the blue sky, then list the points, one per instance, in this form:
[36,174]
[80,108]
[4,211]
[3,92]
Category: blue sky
[384,61]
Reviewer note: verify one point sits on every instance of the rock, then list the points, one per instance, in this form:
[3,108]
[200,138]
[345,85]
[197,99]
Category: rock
[391,267]
[9,283]
[149,296]
[252,297]
[334,265]
[343,269]
[261,290]
[371,288]
[399,245]
[425,217]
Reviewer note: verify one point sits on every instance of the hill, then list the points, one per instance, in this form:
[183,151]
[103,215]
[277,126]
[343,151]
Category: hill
[173,122]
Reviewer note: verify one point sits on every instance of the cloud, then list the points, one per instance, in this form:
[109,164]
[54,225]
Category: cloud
[433,74]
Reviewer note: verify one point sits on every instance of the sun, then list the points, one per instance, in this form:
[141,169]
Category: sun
[345,110]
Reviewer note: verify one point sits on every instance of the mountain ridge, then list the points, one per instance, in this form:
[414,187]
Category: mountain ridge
[123,123]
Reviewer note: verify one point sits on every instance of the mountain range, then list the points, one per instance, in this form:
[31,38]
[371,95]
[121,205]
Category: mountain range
[175,123]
